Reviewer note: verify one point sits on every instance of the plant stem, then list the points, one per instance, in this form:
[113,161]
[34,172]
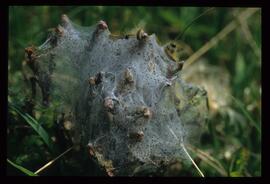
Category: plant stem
[52,161]
[224,32]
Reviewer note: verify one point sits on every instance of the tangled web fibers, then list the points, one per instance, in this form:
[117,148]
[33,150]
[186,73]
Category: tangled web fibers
[123,94]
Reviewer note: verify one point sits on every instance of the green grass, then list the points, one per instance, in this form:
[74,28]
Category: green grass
[22,169]
[36,126]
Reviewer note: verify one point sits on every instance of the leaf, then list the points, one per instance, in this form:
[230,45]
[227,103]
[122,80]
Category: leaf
[236,174]
[24,170]
[240,68]
[36,126]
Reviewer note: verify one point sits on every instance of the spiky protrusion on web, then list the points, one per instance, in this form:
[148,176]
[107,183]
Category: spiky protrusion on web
[122,93]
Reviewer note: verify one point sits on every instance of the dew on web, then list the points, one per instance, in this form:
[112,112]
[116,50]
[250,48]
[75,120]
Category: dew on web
[119,93]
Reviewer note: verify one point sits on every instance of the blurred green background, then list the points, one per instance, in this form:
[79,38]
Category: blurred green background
[232,137]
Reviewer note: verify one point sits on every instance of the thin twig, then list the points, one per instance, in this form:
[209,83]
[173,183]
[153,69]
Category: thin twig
[209,157]
[206,11]
[249,37]
[52,161]
[224,32]
[212,162]
[185,150]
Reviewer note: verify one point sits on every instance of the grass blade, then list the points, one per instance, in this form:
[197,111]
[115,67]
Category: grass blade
[36,126]
[247,114]
[209,160]
[52,161]
[24,170]
[185,150]
[198,169]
